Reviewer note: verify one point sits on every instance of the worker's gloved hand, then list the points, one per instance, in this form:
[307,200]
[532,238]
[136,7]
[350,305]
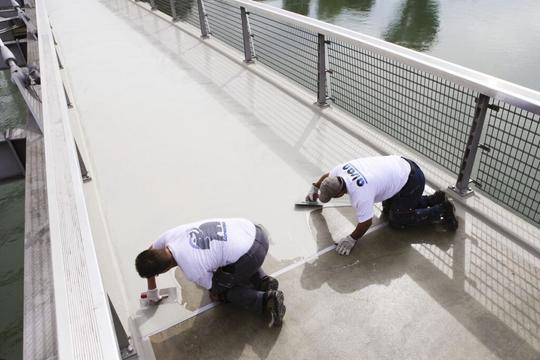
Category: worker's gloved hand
[153,296]
[345,245]
[313,193]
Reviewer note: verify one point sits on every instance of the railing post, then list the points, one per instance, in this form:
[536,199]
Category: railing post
[173,11]
[203,20]
[153,5]
[16,156]
[84,171]
[469,156]
[248,38]
[322,84]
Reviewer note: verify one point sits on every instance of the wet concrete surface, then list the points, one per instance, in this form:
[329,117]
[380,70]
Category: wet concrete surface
[201,137]
[417,294]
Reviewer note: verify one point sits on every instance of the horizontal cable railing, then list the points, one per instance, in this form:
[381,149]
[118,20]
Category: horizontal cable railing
[442,110]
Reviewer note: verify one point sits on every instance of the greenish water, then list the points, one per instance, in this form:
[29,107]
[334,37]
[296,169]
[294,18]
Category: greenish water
[497,37]
[12,115]
[12,107]
[11,269]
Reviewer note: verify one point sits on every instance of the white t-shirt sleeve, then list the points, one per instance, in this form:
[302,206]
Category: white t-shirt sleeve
[364,210]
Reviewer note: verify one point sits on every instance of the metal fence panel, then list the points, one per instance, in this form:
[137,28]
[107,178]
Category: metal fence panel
[164,6]
[186,10]
[225,23]
[423,111]
[422,102]
[508,172]
[289,50]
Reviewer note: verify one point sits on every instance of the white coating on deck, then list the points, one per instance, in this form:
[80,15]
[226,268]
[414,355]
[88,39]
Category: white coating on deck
[174,131]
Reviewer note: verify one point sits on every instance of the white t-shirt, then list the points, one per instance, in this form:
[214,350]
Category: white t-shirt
[200,248]
[371,180]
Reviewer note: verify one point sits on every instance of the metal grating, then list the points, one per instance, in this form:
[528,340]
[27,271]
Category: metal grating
[427,113]
[509,170]
[164,6]
[225,23]
[187,11]
[289,50]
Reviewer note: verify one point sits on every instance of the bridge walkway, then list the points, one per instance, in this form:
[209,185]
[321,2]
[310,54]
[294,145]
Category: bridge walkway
[174,129]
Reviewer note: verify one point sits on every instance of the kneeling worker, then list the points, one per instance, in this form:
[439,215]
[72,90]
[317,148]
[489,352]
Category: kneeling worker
[396,182]
[221,255]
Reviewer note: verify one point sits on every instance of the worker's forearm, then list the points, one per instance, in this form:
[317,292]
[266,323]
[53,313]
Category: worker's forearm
[151,283]
[319,182]
[361,229]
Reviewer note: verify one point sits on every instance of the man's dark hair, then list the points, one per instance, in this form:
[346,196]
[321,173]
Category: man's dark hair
[151,262]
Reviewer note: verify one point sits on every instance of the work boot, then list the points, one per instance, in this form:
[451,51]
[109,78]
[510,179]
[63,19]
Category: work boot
[438,197]
[268,283]
[274,308]
[449,220]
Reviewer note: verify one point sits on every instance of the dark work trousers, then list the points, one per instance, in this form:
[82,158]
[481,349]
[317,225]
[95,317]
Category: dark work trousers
[240,280]
[409,207]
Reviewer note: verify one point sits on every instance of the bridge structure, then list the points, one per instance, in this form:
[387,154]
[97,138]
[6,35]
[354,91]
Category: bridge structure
[146,115]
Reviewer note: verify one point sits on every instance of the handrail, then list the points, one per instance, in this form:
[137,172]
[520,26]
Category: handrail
[496,88]
[83,320]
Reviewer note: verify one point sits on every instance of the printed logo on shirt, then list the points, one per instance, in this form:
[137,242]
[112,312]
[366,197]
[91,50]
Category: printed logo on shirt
[355,174]
[200,237]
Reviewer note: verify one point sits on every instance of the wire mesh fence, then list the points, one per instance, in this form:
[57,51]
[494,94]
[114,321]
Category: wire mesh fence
[289,50]
[225,23]
[425,112]
[429,113]
[187,10]
[164,6]
[508,166]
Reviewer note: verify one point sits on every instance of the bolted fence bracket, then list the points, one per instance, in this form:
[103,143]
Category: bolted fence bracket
[153,5]
[467,163]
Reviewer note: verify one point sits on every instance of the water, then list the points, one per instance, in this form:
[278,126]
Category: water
[12,107]
[497,37]
[11,269]
[12,114]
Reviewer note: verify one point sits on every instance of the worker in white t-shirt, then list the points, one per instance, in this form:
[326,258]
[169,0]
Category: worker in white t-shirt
[223,256]
[393,180]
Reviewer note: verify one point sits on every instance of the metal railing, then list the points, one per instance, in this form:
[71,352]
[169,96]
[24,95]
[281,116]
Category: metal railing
[83,324]
[442,110]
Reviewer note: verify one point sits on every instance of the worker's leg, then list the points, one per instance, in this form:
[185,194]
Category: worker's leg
[235,279]
[409,207]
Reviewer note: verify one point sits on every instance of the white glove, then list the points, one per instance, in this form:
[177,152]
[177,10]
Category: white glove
[313,194]
[153,295]
[345,245]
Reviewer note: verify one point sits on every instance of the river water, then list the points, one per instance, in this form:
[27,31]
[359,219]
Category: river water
[12,114]
[497,37]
